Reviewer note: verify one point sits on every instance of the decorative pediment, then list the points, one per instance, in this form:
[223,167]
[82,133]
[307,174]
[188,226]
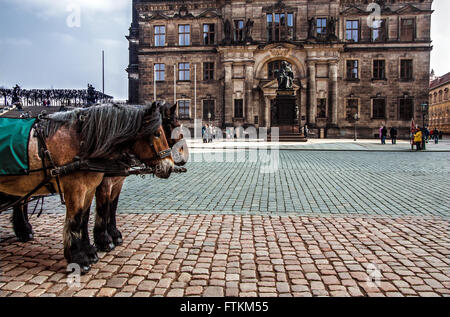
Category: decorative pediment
[353,10]
[157,15]
[209,13]
[410,9]
[278,7]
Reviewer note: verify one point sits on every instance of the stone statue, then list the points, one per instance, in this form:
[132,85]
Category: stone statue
[249,30]
[91,98]
[285,76]
[312,28]
[15,100]
[227,31]
[332,29]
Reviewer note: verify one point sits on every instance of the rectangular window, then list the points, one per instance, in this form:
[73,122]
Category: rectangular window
[280,26]
[184,71]
[379,31]
[321,26]
[184,35]
[208,71]
[160,72]
[184,109]
[321,108]
[378,108]
[351,109]
[352,69]
[407,29]
[379,69]
[239,30]
[160,35]
[208,110]
[406,69]
[406,109]
[208,34]
[352,31]
[238,108]
[270,35]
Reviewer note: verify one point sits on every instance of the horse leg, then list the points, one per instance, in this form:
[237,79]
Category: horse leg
[103,241]
[76,245]
[112,224]
[21,225]
[91,251]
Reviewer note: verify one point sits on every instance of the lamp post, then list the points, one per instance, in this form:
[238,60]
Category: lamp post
[356,118]
[424,108]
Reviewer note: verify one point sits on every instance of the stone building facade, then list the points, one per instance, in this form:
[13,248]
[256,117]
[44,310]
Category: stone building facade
[219,59]
[439,104]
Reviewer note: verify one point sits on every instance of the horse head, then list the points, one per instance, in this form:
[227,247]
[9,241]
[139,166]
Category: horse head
[172,129]
[151,146]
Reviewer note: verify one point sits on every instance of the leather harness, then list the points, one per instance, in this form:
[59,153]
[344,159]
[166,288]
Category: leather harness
[111,168]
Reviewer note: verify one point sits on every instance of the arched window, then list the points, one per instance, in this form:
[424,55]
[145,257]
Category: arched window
[273,67]
[440,95]
[446,94]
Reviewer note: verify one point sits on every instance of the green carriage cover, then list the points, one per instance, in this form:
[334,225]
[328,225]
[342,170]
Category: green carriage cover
[14,137]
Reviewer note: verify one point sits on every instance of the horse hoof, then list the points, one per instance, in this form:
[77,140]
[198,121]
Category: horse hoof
[93,258]
[106,247]
[85,269]
[25,237]
[118,241]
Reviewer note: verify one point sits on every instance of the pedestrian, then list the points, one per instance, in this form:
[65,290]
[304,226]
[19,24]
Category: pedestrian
[393,133]
[427,134]
[205,133]
[418,139]
[210,134]
[436,136]
[305,131]
[441,134]
[383,132]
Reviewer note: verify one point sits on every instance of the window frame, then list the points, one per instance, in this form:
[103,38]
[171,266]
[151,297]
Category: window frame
[238,102]
[352,30]
[182,105]
[378,117]
[376,70]
[324,29]
[238,31]
[213,112]
[382,29]
[158,71]
[409,71]
[183,35]
[402,35]
[209,71]
[158,35]
[351,78]
[209,37]
[404,118]
[184,71]
[275,30]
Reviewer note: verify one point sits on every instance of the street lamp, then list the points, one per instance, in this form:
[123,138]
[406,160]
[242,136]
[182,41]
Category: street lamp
[424,108]
[356,118]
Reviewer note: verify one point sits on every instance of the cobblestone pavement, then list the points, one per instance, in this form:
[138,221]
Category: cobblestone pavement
[326,223]
[307,182]
[234,255]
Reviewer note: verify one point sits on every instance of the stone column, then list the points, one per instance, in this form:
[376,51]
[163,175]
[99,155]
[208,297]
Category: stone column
[267,100]
[228,93]
[249,110]
[333,67]
[312,92]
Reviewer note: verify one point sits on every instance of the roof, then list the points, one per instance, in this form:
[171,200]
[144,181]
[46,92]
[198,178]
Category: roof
[439,81]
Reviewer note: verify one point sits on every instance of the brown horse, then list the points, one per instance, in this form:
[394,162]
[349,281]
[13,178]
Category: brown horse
[106,234]
[101,132]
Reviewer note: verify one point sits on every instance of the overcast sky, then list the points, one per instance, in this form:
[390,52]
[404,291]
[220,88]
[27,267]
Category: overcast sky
[46,43]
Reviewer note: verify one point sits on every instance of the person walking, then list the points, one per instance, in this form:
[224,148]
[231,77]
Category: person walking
[383,135]
[418,139]
[436,135]
[427,134]
[305,131]
[204,133]
[393,134]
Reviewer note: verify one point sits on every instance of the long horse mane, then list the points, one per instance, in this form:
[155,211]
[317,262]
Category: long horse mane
[105,130]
